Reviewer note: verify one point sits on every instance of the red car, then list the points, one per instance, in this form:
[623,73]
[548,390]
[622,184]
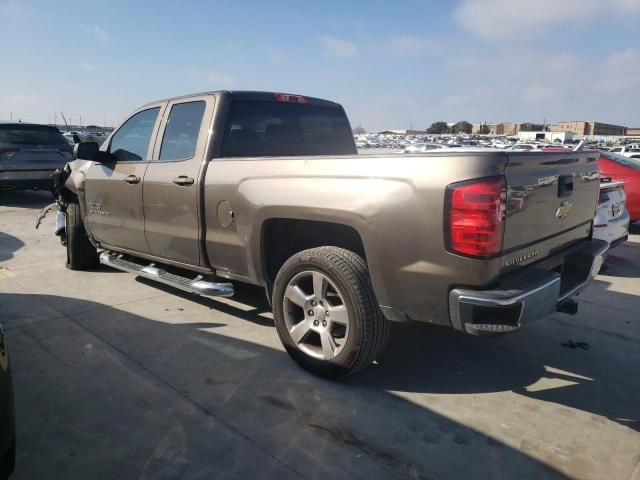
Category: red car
[626,169]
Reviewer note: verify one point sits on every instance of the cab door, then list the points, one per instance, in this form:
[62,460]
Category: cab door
[113,189]
[172,181]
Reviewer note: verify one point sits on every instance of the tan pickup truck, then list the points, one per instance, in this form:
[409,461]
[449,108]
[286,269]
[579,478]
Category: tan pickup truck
[203,191]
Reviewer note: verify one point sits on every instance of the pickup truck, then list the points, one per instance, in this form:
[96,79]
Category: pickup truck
[204,191]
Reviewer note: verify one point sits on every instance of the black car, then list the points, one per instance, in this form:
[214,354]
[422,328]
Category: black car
[7,422]
[29,154]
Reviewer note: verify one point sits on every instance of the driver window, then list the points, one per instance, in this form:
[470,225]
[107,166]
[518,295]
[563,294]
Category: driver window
[131,142]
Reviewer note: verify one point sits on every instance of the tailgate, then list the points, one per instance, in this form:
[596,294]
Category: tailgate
[551,201]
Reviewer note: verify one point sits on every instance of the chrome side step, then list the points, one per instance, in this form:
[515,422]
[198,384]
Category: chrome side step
[194,285]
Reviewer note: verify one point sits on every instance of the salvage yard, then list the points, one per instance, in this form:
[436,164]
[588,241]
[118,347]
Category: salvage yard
[117,377]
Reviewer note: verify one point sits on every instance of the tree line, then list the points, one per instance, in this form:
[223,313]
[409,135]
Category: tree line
[466,127]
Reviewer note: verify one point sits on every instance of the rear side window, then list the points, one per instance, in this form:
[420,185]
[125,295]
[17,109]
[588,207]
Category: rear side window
[259,128]
[131,141]
[31,135]
[181,134]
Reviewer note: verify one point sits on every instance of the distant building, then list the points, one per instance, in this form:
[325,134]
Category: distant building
[588,128]
[633,131]
[505,128]
[402,131]
[550,137]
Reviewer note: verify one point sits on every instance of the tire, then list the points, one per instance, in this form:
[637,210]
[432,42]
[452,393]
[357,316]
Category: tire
[8,461]
[347,288]
[81,254]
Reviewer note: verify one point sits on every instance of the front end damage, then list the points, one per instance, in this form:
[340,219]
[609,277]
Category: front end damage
[68,186]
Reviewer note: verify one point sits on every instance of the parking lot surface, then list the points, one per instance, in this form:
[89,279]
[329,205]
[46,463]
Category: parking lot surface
[117,377]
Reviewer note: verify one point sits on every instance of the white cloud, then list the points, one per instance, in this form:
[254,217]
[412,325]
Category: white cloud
[336,47]
[88,67]
[522,19]
[97,32]
[621,72]
[410,46]
[213,78]
[538,84]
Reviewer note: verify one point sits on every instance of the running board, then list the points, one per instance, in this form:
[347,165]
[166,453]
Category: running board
[194,285]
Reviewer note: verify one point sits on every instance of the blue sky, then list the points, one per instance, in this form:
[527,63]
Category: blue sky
[391,64]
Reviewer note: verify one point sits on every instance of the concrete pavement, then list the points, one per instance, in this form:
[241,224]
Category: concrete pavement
[117,377]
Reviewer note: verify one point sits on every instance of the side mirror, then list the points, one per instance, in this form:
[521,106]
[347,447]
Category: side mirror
[86,151]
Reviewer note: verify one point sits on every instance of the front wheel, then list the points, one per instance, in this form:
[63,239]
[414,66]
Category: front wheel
[81,254]
[326,313]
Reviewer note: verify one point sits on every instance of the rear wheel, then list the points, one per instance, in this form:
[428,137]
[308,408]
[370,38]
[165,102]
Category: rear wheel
[326,313]
[81,254]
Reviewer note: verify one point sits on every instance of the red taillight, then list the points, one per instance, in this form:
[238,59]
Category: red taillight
[287,97]
[474,212]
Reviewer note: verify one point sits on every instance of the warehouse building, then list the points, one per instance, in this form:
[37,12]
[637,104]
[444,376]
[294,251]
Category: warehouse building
[505,128]
[402,131]
[588,128]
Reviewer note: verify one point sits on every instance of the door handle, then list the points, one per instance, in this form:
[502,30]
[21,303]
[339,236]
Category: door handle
[183,180]
[132,179]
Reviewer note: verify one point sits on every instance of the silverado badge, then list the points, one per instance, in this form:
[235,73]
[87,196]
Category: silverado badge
[522,258]
[96,209]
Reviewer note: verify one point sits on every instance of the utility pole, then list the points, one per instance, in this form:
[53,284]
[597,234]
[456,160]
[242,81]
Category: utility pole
[11,116]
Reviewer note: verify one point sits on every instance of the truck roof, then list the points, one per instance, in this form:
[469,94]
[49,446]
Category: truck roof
[250,95]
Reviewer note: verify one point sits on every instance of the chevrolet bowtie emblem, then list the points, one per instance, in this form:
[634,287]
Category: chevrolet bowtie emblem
[564,210]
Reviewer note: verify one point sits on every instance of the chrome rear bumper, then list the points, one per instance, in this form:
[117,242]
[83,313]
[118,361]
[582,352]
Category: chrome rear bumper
[527,295]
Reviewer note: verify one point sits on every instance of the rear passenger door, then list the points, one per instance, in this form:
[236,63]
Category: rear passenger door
[172,181]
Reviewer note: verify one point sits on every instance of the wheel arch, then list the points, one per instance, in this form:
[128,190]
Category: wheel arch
[282,237]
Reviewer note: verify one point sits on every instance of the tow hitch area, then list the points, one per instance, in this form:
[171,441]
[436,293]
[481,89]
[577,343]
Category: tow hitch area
[568,306]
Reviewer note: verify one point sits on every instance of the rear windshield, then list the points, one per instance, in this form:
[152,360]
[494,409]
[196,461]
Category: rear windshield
[31,135]
[258,128]
[622,160]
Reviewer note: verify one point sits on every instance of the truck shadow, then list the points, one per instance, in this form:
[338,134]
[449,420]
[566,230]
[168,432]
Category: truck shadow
[108,370]
[537,362]
[8,245]
[623,261]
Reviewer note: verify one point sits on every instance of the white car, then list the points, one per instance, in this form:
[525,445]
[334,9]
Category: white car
[523,147]
[423,147]
[612,218]
[631,151]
